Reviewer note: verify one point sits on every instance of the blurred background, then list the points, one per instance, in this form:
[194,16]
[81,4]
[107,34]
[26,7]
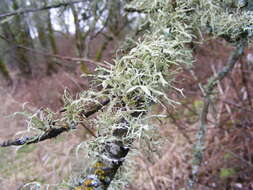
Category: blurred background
[45,47]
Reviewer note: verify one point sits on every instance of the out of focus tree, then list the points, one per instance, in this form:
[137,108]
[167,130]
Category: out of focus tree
[15,33]
[31,24]
[4,71]
[23,37]
[45,34]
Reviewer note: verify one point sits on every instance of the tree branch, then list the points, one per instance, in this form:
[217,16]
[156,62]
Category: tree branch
[28,10]
[101,174]
[53,132]
[132,10]
[199,145]
[60,57]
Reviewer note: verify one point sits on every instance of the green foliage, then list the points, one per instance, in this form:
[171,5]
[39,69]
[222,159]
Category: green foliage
[227,172]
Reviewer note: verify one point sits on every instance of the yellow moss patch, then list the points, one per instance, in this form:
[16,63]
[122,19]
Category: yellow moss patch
[85,185]
[99,165]
[84,188]
[100,173]
[87,182]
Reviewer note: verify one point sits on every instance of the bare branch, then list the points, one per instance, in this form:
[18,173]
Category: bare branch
[53,132]
[101,174]
[199,145]
[65,58]
[28,10]
[131,9]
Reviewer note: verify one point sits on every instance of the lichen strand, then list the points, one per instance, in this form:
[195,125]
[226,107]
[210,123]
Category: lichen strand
[100,175]
[147,73]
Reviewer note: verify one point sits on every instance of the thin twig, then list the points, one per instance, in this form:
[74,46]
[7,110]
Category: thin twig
[52,132]
[245,82]
[132,10]
[89,130]
[29,10]
[239,157]
[151,176]
[236,105]
[65,58]
[224,95]
[193,111]
[199,145]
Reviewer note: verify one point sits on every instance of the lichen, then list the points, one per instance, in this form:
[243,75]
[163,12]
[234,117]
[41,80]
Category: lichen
[146,74]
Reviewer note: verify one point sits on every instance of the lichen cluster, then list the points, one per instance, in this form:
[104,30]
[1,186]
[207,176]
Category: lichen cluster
[146,74]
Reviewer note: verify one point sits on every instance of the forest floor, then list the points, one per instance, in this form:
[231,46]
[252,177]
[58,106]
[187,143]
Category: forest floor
[228,158]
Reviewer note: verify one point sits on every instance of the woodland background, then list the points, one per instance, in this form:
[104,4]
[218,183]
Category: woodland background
[44,52]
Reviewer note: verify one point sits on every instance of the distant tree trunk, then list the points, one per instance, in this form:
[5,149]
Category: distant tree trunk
[79,36]
[44,37]
[115,24]
[99,52]
[51,67]
[15,34]
[22,37]
[5,72]
[116,19]
[51,34]
[9,35]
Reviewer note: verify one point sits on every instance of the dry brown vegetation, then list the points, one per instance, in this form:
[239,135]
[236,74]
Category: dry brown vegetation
[228,160]
[54,160]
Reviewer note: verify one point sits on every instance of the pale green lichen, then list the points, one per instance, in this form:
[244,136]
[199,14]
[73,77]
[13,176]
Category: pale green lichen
[146,74]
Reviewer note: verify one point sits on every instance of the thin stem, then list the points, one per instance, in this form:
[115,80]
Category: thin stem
[199,145]
[52,132]
[65,58]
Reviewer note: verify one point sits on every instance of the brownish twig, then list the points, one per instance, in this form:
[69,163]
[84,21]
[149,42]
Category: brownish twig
[236,105]
[89,130]
[65,58]
[233,85]
[245,82]
[223,94]
[132,9]
[150,175]
[52,132]
[199,146]
[239,157]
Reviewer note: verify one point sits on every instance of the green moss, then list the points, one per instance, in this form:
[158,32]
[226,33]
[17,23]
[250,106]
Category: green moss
[227,156]
[227,172]
[26,149]
[198,104]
